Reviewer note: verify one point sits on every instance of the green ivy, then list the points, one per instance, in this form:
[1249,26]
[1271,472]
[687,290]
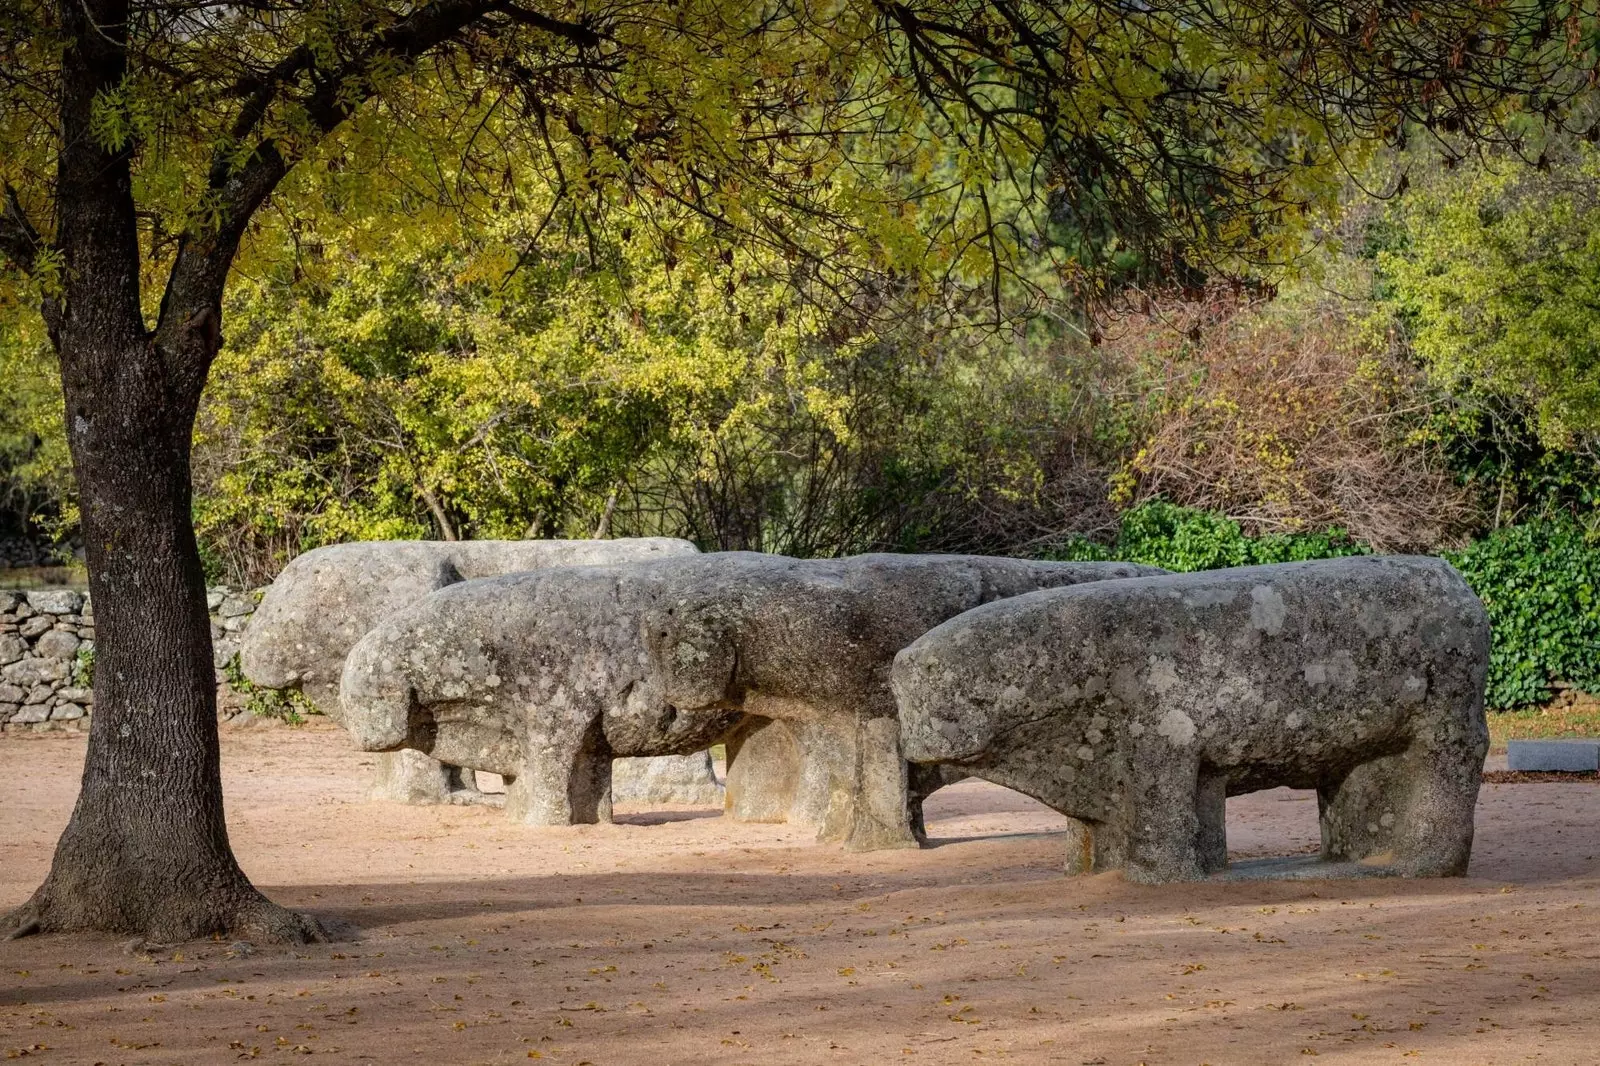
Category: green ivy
[83,667]
[1539,581]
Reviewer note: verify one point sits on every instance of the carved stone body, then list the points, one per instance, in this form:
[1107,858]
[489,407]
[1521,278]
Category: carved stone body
[1138,706]
[326,600]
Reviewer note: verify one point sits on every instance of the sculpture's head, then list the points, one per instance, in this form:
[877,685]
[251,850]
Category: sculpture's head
[644,722]
[949,701]
[378,704]
[693,651]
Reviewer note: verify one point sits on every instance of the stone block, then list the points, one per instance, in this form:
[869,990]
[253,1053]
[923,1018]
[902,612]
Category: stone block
[56,601]
[12,694]
[214,598]
[66,712]
[666,779]
[40,694]
[234,606]
[77,695]
[57,644]
[1554,756]
[9,601]
[12,648]
[33,712]
[31,671]
[8,709]
[36,626]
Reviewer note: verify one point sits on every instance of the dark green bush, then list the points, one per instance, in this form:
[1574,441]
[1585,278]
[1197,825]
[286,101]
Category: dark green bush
[1540,582]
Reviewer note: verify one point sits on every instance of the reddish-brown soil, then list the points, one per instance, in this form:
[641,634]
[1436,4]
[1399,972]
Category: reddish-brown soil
[677,937]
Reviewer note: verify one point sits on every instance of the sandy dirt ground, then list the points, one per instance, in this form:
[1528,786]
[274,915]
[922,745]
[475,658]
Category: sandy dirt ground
[677,937]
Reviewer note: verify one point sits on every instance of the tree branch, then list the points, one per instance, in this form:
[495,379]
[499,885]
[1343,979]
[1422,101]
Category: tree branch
[199,274]
[22,245]
[19,240]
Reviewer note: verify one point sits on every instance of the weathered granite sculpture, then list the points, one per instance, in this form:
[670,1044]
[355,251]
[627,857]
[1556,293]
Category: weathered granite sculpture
[541,677]
[545,676]
[804,648]
[327,599]
[1138,706]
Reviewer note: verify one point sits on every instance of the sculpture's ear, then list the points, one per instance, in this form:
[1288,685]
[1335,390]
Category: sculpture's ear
[696,653]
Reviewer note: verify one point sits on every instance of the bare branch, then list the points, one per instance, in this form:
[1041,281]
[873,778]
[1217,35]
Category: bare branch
[21,244]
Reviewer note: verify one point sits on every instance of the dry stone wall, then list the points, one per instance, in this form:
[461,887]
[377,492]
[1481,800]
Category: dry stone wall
[47,656]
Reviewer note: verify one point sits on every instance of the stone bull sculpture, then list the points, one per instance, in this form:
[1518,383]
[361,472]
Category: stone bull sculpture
[804,648]
[1138,706]
[541,677]
[327,599]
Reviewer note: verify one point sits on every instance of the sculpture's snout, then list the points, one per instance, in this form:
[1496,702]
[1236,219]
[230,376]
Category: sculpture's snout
[376,700]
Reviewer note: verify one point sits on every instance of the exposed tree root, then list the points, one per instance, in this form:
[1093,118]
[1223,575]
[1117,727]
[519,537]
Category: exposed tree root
[255,919]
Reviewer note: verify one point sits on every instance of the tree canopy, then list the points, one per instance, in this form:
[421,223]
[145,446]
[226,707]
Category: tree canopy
[937,144]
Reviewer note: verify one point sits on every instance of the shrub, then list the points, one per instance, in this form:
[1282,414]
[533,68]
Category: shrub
[1162,534]
[1299,414]
[288,705]
[1539,582]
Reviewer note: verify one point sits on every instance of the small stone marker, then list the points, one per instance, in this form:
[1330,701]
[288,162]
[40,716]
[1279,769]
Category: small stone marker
[1553,756]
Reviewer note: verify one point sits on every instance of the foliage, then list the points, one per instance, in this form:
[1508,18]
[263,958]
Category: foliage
[1541,584]
[961,159]
[1491,269]
[1183,539]
[417,397]
[918,441]
[83,667]
[1288,414]
[35,470]
[290,706]
[1499,271]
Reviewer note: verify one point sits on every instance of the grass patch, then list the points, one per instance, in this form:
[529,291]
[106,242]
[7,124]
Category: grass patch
[1571,714]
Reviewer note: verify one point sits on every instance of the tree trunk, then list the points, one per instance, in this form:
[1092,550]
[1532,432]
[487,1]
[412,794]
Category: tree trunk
[146,851]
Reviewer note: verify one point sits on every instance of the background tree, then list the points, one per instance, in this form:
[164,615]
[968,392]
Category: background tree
[904,149]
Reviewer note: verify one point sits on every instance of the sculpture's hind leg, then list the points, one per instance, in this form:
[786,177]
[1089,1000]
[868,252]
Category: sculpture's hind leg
[1409,814]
